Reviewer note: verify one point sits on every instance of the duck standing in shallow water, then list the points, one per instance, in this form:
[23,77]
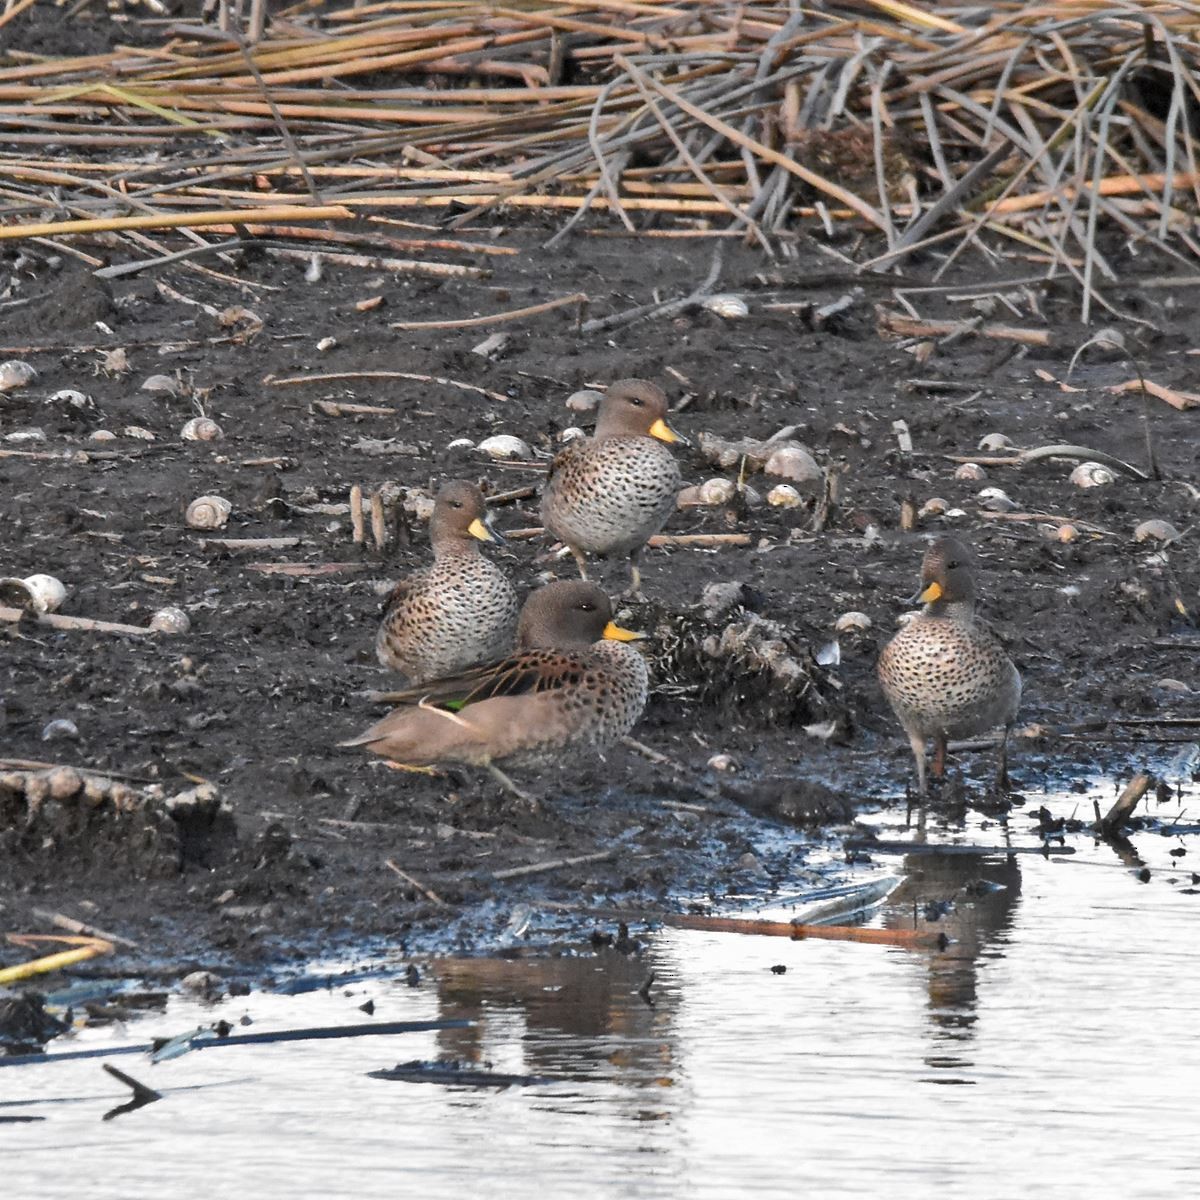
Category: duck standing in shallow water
[460,611]
[945,674]
[610,493]
[573,687]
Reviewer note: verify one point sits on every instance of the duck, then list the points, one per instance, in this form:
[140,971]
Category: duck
[459,611]
[945,674]
[574,686]
[607,495]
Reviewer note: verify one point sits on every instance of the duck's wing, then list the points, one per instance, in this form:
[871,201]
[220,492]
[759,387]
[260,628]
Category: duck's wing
[529,672]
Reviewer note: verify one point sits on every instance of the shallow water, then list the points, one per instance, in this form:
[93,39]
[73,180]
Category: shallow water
[1050,1050]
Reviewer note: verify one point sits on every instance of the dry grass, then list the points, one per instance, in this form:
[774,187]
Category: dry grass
[1011,129]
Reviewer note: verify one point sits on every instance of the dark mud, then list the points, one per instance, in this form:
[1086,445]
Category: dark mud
[255,697]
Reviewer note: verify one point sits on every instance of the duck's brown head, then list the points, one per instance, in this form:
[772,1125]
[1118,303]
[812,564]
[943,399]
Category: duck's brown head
[460,514]
[634,407]
[947,573]
[568,614]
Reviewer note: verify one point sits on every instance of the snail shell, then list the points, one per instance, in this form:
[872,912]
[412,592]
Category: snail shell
[45,592]
[993,443]
[995,499]
[571,433]
[794,464]
[717,491]
[726,305]
[201,429]
[584,401]
[170,620]
[970,471]
[15,374]
[1067,533]
[161,383]
[722,762]
[783,495]
[1156,531]
[504,445]
[208,512]
[852,620]
[60,727]
[461,444]
[1091,474]
[933,507]
[102,435]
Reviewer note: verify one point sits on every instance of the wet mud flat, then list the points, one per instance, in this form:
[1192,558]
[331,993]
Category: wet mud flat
[234,831]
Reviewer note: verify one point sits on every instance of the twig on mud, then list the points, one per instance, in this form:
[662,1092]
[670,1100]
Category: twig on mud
[357,525]
[512,495]
[71,925]
[796,930]
[427,892]
[553,864]
[58,621]
[287,212]
[904,326]
[1110,824]
[304,570]
[342,408]
[949,849]
[1037,453]
[664,308]
[512,314]
[260,543]
[676,768]
[331,376]
[398,266]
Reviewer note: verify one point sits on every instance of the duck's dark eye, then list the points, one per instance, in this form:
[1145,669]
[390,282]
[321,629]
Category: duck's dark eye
[587,606]
[635,401]
[952,566]
[456,504]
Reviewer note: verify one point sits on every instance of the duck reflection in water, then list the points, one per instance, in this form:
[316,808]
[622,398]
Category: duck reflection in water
[971,898]
[580,1016]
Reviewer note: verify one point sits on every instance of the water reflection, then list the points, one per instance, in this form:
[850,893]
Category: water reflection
[581,1017]
[972,899]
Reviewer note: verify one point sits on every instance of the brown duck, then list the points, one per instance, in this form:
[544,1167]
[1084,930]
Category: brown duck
[572,687]
[460,611]
[945,674]
[610,493]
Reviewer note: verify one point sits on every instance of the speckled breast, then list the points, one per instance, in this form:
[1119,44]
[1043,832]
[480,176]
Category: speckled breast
[948,677]
[609,496]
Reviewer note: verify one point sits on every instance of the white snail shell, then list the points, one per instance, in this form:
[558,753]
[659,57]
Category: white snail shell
[794,464]
[722,762]
[208,512]
[1156,531]
[504,445]
[461,444]
[170,620]
[138,431]
[161,383]
[201,429]
[45,592]
[852,620]
[783,495]
[970,471]
[75,399]
[584,401]
[1067,533]
[994,442]
[717,491]
[102,435]
[933,507]
[1091,474]
[571,433]
[15,374]
[726,305]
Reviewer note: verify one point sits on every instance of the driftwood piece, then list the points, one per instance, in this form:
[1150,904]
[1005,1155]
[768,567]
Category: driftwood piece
[902,325]
[86,624]
[553,864]
[1112,822]
[798,931]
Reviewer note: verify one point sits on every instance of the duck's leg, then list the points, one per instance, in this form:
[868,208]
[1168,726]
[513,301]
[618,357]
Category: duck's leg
[939,757]
[580,561]
[508,785]
[635,578]
[1002,780]
[918,748]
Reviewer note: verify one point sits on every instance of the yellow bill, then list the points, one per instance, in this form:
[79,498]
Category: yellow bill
[661,430]
[481,531]
[931,593]
[615,633]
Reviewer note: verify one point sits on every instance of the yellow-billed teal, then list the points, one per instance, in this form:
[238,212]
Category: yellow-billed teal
[460,611]
[945,674]
[574,687]
[608,494]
